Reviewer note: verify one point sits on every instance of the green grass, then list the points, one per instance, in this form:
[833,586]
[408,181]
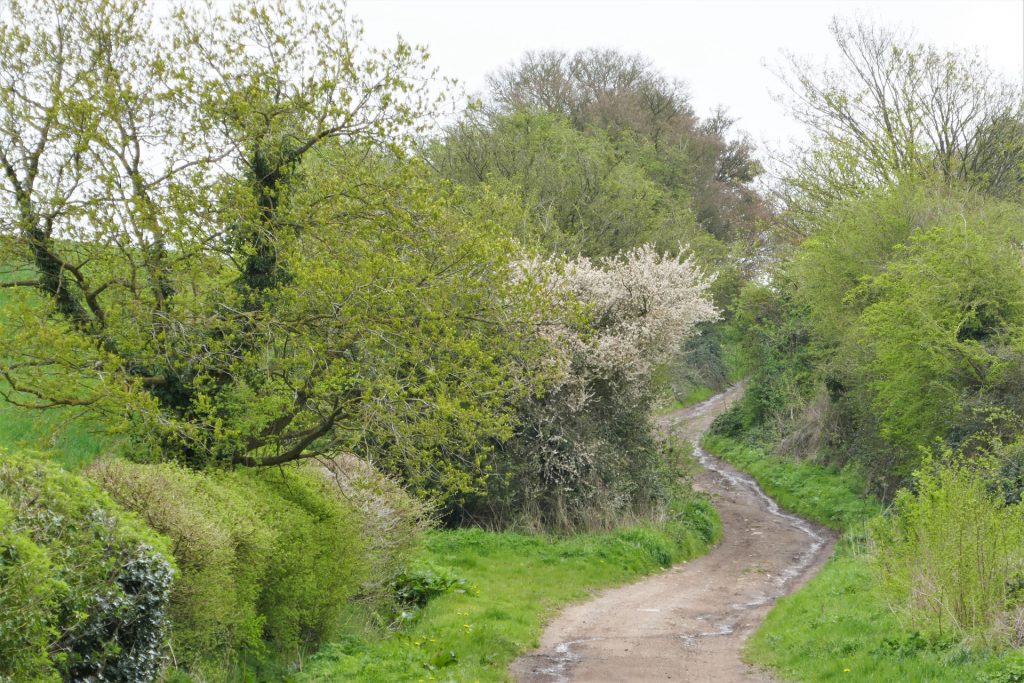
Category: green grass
[72,439]
[838,628]
[837,499]
[517,583]
[695,395]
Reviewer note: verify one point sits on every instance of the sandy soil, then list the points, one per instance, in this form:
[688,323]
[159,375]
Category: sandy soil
[689,623]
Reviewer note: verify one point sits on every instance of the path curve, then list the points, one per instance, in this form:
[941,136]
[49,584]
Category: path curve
[689,623]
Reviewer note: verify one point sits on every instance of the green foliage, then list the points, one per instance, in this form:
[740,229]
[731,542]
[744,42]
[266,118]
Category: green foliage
[951,551]
[267,558]
[774,346]
[894,111]
[28,601]
[518,582]
[855,240]
[944,323]
[417,585]
[898,322]
[83,587]
[263,274]
[596,199]
[1010,670]
[650,121]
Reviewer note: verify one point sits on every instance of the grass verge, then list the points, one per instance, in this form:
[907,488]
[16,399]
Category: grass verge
[516,583]
[837,499]
[838,628]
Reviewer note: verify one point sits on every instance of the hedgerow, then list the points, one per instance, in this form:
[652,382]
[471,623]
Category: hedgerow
[84,587]
[270,560]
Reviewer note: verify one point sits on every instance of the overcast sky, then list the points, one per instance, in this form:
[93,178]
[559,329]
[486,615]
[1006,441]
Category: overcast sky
[719,48]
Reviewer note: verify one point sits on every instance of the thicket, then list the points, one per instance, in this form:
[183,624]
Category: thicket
[584,454]
[84,587]
[951,554]
[270,561]
[894,319]
[897,324]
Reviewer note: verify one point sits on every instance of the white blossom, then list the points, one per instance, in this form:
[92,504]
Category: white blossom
[640,306]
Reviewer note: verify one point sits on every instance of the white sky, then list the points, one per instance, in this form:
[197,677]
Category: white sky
[719,48]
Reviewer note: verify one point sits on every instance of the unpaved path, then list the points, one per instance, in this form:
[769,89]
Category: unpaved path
[690,622]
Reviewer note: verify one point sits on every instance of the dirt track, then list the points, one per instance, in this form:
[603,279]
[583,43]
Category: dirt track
[688,623]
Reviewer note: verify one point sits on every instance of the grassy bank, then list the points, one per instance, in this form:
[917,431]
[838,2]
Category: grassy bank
[838,628]
[834,498]
[514,584]
[695,395]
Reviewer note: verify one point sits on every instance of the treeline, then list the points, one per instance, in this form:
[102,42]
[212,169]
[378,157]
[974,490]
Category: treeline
[894,319]
[315,323]
[890,337]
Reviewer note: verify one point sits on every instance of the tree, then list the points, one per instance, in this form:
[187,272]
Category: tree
[218,237]
[627,98]
[942,335]
[587,193]
[896,109]
[583,453]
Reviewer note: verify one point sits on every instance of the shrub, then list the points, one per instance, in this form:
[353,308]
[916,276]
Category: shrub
[28,599]
[420,584]
[584,456]
[317,562]
[83,586]
[222,547]
[268,557]
[391,521]
[949,553]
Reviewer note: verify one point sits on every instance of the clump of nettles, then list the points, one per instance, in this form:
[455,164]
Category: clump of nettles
[84,587]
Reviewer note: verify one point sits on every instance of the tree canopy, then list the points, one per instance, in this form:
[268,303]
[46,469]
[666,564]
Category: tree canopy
[218,237]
